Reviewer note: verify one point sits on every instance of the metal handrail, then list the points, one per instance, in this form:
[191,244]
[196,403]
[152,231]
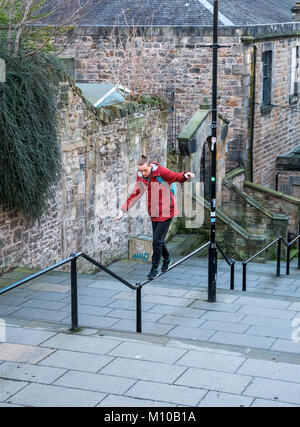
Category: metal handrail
[288,245]
[288,254]
[231,263]
[244,263]
[138,286]
[176,264]
[74,299]
[111,273]
[39,273]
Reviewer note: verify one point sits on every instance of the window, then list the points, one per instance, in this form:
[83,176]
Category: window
[267,77]
[295,73]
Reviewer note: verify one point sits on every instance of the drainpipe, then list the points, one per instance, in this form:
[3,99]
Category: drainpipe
[252,113]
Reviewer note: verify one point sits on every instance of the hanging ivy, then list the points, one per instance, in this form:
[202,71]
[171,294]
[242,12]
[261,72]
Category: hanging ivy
[30,160]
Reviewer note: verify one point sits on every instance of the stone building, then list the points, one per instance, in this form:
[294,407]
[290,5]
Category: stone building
[258,92]
[259,127]
[258,70]
[99,152]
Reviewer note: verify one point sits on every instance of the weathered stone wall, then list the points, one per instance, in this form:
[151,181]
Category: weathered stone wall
[289,182]
[278,203]
[190,72]
[32,243]
[277,131]
[99,153]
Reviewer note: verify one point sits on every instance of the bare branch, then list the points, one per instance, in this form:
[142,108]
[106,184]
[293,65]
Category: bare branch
[28,6]
[133,61]
[52,15]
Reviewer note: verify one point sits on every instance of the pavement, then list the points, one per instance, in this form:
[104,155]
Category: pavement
[242,350]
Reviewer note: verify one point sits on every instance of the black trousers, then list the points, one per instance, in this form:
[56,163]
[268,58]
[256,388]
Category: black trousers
[160,230]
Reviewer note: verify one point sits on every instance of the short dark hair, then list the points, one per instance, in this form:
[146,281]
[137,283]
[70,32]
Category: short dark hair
[143,159]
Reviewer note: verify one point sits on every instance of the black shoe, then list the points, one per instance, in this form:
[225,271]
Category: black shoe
[153,273]
[166,264]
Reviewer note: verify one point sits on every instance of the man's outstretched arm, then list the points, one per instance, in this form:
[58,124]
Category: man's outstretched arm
[136,194]
[170,176]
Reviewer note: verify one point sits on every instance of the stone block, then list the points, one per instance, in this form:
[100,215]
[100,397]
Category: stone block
[140,248]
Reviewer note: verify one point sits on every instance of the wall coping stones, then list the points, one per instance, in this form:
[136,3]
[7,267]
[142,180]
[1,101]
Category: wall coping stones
[256,30]
[272,192]
[193,124]
[110,113]
[233,173]
[252,202]
[228,221]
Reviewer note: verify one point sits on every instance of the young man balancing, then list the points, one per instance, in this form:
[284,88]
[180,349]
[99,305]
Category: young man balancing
[155,181]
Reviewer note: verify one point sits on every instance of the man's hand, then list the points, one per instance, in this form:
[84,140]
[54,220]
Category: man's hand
[119,216]
[189,175]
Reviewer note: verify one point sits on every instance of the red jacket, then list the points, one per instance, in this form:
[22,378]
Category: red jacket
[160,198]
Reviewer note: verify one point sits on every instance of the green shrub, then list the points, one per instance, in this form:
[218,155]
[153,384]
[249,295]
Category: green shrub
[30,155]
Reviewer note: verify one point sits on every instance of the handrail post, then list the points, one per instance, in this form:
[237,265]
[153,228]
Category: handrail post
[288,256]
[244,276]
[232,275]
[139,310]
[278,256]
[74,301]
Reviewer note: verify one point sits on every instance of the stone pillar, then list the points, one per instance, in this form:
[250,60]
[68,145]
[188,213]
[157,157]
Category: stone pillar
[296,12]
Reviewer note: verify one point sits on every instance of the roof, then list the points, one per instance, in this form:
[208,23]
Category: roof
[100,94]
[189,12]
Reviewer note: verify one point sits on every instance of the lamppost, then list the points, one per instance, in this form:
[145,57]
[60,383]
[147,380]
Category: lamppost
[212,252]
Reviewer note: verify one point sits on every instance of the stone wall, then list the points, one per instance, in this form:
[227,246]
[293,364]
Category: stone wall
[189,71]
[189,75]
[277,130]
[289,182]
[277,203]
[99,153]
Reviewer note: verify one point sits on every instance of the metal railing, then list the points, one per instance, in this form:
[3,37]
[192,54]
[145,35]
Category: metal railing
[138,287]
[278,240]
[288,254]
[139,294]
[231,263]
[74,298]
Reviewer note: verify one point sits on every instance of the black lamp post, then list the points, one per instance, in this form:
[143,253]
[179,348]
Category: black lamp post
[212,253]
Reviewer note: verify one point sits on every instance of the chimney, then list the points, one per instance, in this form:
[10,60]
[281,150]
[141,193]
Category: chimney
[296,12]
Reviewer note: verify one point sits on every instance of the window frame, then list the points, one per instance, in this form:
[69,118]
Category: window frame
[267,63]
[295,75]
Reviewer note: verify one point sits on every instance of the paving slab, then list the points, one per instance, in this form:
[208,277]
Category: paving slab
[95,382]
[242,350]
[218,399]
[26,372]
[52,396]
[168,393]
[274,390]
[115,401]
[23,353]
[8,388]
[211,380]
[76,361]
[144,370]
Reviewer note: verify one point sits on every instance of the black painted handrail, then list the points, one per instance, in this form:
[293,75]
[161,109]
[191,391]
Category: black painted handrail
[138,286]
[278,240]
[231,263]
[74,298]
[39,273]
